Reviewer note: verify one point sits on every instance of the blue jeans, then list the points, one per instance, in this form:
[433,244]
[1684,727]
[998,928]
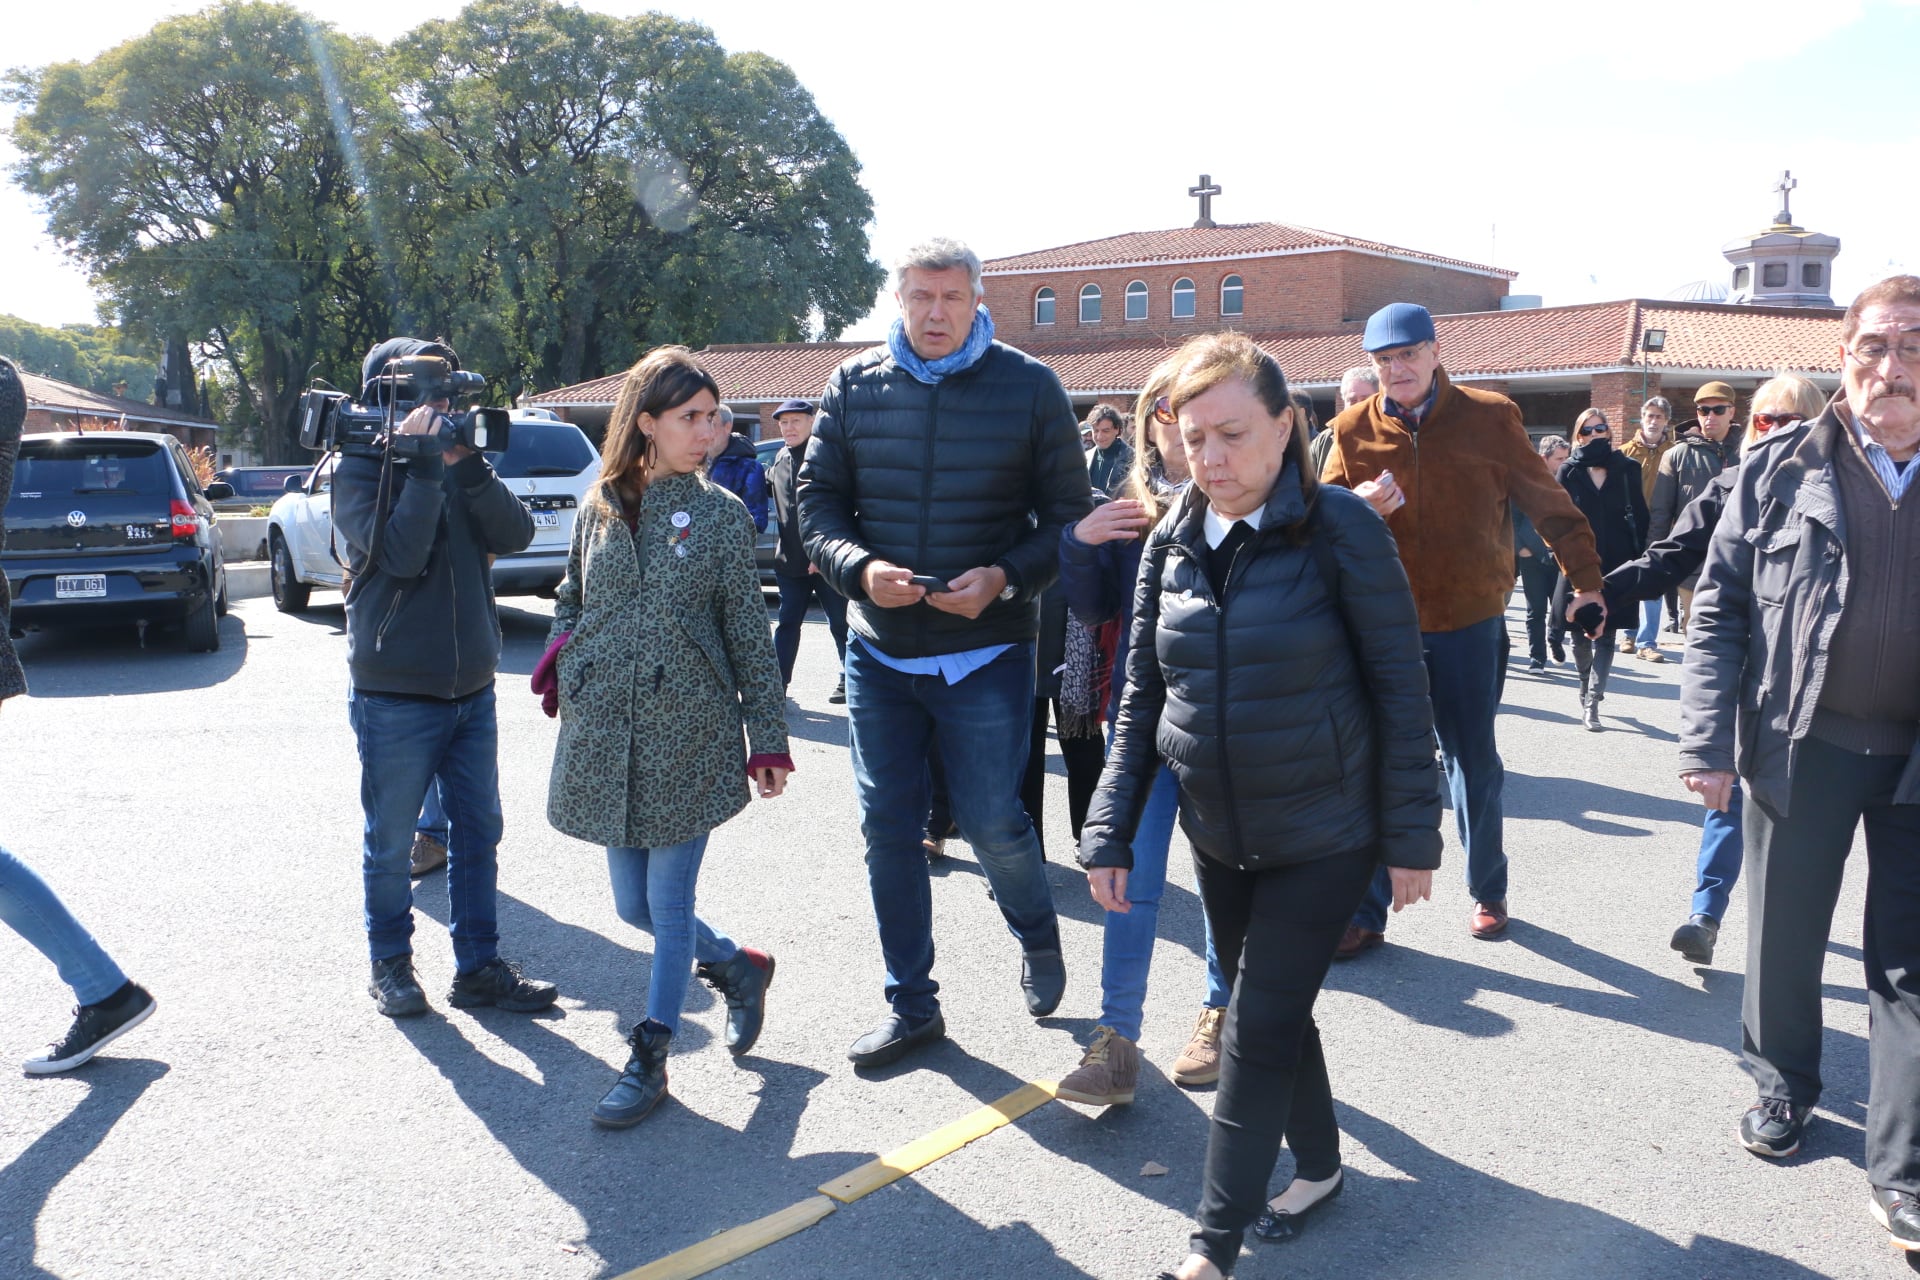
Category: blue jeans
[1649,634]
[433,815]
[980,727]
[1463,670]
[30,909]
[653,890]
[1721,852]
[1127,942]
[404,744]
[796,597]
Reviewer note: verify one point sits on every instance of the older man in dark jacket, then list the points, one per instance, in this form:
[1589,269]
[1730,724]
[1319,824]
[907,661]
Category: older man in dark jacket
[943,468]
[423,642]
[1802,680]
[799,582]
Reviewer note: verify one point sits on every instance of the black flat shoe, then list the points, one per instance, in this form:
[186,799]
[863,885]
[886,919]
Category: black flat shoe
[1276,1227]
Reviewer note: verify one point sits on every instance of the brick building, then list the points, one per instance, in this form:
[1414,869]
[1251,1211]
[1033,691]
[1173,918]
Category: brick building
[53,405]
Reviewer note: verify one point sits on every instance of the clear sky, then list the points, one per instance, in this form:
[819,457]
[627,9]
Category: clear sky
[1602,150]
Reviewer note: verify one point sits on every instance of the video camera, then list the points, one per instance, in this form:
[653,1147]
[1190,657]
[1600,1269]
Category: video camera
[331,421]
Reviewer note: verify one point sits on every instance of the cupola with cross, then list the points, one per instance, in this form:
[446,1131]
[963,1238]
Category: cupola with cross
[1785,265]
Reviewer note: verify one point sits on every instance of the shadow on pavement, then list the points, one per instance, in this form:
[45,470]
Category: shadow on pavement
[113,1086]
[1587,804]
[86,662]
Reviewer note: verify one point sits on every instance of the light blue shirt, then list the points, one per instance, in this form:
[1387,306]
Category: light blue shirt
[954,666]
[1895,477]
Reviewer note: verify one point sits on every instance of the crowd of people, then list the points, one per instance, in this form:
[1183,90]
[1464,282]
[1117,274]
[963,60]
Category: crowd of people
[1233,622]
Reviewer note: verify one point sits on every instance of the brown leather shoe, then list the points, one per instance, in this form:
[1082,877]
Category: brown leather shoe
[1199,1063]
[1489,920]
[1356,939]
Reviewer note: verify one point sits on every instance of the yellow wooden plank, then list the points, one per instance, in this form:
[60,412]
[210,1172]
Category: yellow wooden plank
[718,1251]
[944,1141]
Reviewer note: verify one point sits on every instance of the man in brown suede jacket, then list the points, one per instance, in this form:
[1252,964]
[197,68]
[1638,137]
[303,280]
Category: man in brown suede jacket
[1444,466]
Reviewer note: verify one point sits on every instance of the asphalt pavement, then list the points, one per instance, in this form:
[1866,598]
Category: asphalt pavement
[1560,1103]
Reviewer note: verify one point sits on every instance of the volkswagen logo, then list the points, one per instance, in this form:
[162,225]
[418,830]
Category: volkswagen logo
[76,518]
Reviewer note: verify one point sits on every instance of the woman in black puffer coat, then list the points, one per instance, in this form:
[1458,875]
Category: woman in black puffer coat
[1605,484]
[1276,668]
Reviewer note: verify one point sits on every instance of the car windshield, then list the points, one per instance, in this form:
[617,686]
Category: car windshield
[65,468]
[543,449]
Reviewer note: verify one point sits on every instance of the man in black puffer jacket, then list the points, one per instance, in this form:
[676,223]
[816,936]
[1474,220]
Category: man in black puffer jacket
[943,468]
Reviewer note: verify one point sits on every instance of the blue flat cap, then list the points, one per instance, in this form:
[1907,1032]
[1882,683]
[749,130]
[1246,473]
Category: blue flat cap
[1398,324]
[793,406]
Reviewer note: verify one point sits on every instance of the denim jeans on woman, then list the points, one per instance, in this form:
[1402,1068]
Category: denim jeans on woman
[404,743]
[30,909]
[980,728]
[1127,942]
[1649,634]
[653,890]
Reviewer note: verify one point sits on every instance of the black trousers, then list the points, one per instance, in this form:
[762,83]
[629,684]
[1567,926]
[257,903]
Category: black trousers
[1794,867]
[1281,926]
[1084,757]
[797,594]
[1536,580]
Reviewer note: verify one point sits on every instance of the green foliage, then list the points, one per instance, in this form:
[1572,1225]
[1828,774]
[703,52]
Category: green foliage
[92,356]
[551,190]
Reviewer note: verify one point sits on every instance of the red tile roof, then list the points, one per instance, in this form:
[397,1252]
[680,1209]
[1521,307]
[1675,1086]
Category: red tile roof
[1705,337]
[1202,244]
[51,393]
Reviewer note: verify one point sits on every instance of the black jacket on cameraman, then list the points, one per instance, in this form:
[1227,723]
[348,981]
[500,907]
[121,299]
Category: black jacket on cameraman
[420,618]
[982,468]
[1295,717]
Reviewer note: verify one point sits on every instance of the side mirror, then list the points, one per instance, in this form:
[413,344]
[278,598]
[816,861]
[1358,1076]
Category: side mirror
[218,491]
[295,484]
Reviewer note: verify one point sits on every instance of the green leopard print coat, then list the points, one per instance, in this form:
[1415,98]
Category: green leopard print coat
[671,655]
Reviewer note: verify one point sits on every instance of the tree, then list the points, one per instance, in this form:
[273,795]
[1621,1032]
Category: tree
[202,173]
[579,187]
[93,356]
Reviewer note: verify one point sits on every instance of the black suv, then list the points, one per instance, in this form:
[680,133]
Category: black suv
[112,527]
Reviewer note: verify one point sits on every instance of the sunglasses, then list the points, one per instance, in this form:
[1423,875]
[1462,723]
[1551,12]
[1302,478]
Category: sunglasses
[1768,421]
[1713,409]
[1163,413]
[1593,431]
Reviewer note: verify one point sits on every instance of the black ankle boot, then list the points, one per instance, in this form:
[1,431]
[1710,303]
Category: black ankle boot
[643,1083]
[743,980]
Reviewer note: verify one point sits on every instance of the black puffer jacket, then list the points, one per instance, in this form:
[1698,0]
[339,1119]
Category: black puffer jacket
[1288,745]
[982,468]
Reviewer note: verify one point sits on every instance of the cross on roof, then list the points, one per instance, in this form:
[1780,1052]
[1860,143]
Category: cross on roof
[1206,191]
[1785,187]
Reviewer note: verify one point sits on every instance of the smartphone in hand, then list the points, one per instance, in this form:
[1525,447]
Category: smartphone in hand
[930,582]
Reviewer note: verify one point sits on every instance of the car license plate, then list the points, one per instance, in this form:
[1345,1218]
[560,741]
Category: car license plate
[546,519]
[79,586]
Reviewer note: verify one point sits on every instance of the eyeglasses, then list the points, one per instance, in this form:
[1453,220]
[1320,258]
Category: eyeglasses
[1593,431]
[1874,350]
[1768,421]
[1387,359]
[1163,413]
[1712,410]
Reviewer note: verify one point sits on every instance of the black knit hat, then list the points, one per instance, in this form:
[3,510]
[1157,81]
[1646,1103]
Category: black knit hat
[13,398]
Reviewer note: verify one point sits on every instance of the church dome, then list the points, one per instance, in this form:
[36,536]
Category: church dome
[1699,291]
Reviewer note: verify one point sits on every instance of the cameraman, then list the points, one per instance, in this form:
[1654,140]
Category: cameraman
[423,641]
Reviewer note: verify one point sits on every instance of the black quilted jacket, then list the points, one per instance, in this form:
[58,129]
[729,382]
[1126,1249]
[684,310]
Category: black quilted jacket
[1295,732]
[983,468]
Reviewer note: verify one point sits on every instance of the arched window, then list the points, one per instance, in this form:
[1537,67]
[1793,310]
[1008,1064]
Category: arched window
[1137,300]
[1232,296]
[1183,299]
[1090,304]
[1043,307]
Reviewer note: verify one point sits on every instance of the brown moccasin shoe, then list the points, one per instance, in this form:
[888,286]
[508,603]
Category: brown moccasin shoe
[1108,1073]
[428,855]
[1489,920]
[1199,1063]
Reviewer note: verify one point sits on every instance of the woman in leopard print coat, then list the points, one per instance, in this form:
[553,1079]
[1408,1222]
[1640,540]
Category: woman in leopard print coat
[666,656]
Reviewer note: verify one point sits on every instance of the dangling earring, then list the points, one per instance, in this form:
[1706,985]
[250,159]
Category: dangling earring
[647,455]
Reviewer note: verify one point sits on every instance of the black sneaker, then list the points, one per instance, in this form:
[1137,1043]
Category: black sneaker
[1898,1212]
[1694,940]
[1772,1127]
[394,990]
[498,983]
[95,1026]
[839,694]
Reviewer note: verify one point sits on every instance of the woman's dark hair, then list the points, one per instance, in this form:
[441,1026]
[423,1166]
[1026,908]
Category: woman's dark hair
[1211,359]
[665,378]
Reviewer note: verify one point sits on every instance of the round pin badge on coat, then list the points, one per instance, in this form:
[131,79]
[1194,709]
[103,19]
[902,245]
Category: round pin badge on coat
[681,519]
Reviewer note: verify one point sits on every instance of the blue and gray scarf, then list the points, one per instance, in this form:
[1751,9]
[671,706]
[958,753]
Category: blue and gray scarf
[979,338]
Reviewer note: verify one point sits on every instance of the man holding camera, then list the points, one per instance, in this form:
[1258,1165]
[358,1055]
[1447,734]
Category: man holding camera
[423,642]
